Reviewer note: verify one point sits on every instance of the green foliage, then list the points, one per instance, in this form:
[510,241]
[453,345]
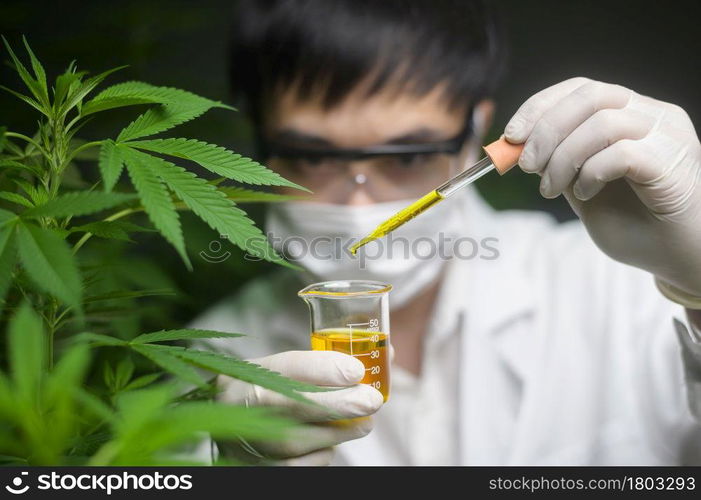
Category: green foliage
[77,389]
[49,262]
[216,159]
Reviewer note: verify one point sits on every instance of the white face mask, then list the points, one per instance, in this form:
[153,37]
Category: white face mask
[317,236]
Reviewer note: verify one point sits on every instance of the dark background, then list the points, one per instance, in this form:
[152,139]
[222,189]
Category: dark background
[652,47]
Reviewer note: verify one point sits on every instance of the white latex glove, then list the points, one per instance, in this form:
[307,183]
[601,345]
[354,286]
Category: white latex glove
[311,445]
[630,167]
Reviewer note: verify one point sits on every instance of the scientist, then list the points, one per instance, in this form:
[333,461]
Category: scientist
[541,343]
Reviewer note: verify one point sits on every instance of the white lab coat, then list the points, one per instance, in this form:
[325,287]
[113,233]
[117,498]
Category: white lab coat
[550,354]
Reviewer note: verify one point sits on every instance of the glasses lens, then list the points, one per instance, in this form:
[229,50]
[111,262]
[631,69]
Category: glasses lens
[386,178]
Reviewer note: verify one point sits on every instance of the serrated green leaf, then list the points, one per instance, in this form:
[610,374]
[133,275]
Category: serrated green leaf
[13,148]
[130,227]
[170,363]
[39,72]
[78,90]
[98,339]
[185,334]
[212,207]
[16,198]
[95,405]
[243,370]
[128,294]
[8,399]
[221,421]
[8,258]
[217,159]
[20,166]
[142,381]
[243,195]
[6,216]
[37,197]
[27,352]
[110,163]
[50,263]
[132,93]
[103,229]
[156,200]
[67,375]
[65,81]
[117,229]
[123,372]
[137,407]
[166,116]
[78,203]
[26,99]
[33,85]
[108,375]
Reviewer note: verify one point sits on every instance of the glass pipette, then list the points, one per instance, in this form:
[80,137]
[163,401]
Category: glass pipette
[501,156]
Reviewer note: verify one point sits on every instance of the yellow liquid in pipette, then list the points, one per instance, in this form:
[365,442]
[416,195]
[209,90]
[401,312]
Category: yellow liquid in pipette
[400,218]
[369,347]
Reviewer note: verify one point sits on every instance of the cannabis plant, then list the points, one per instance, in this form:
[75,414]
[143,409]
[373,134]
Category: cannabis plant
[56,405]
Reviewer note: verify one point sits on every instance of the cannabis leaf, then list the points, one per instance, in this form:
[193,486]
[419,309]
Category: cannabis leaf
[167,116]
[27,352]
[146,423]
[116,230]
[53,407]
[78,203]
[208,203]
[217,159]
[242,370]
[186,334]
[132,93]
[243,195]
[37,86]
[50,263]
[171,363]
[110,164]
[155,199]
[8,258]
[180,360]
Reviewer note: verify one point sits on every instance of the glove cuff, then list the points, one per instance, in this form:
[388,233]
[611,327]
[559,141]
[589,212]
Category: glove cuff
[676,295]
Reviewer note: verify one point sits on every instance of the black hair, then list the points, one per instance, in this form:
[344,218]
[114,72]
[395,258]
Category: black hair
[327,47]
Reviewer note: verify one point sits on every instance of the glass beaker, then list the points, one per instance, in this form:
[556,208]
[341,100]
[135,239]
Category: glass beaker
[352,317]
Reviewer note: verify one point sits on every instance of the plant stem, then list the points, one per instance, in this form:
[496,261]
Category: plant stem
[81,148]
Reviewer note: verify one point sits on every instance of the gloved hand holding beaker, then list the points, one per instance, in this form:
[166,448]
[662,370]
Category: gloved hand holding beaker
[312,444]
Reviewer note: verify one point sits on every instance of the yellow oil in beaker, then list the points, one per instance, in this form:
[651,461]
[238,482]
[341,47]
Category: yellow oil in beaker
[370,347]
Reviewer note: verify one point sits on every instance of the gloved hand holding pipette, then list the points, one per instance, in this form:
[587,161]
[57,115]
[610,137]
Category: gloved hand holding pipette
[630,167]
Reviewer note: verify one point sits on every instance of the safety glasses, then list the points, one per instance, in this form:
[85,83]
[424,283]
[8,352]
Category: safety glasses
[387,172]
[290,152]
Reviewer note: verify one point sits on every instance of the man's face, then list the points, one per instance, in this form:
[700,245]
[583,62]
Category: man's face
[359,122]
